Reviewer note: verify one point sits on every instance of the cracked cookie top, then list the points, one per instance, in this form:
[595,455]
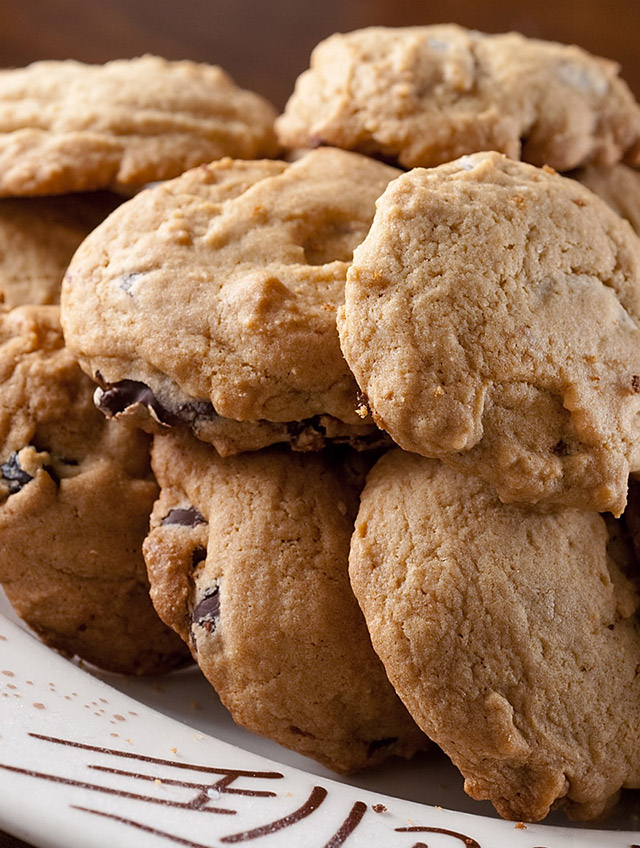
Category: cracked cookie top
[66,126]
[512,636]
[492,318]
[420,96]
[248,561]
[221,287]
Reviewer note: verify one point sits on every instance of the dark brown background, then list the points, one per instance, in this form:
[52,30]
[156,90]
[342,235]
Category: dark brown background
[265,45]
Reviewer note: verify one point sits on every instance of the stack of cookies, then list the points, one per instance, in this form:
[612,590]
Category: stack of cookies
[390,386]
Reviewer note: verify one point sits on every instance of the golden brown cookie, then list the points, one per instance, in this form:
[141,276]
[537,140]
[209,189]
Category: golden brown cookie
[66,126]
[38,237]
[511,636]
[492,318]
[619,185]
[425,95]
[76,492]
[248,559]
[211,300]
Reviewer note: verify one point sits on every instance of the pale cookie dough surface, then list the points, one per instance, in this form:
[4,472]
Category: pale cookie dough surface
[425,95]
[248,559]
[38,237]
[66,126]
[218,290]
[511,636]
[619,185]
[492,318]
[76,493]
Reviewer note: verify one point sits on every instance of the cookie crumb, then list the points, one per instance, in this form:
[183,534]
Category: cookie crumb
[378,808]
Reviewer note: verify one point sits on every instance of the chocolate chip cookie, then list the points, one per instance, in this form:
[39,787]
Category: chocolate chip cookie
[247,558]
[425,95]
[66,126]
[211,299]
[76,492]
[512,636]
[492,319]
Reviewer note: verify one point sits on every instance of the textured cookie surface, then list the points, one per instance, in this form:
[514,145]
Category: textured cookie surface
[492,318]
[425,95]
[619,185]
[248,561]
[38,237]
[218,290]
[511,636]
[66,126]
[76,494]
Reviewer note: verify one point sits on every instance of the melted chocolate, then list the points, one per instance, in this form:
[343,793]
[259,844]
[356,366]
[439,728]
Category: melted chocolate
[116,397]
[207,611]
[199,555]
[187,517]
[14,475]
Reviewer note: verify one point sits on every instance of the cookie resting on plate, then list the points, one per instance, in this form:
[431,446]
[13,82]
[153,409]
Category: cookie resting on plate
[211,299]
[248,558]
[38,237]
[66,126]
[492,319]
[76,492]
[511,635]
[420,96]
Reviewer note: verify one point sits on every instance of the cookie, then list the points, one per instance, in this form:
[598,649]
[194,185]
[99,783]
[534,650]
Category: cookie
[211,300]
[66,126]
[247,558]
[619,185]
[512,636]
[470,324]
[38,237]
[421,96]
[76,492]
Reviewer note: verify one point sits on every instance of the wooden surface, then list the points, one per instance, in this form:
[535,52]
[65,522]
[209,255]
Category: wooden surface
[264,45]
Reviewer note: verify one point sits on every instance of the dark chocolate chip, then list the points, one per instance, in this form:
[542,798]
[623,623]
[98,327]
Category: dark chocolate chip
[14,475]
[188,517]
[52,473]
[560,448]
[199,555]
[380,743]
[116,397]
[635,383]
[207,611]
[295,428]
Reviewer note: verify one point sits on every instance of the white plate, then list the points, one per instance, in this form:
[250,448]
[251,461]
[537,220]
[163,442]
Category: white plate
[90,760]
